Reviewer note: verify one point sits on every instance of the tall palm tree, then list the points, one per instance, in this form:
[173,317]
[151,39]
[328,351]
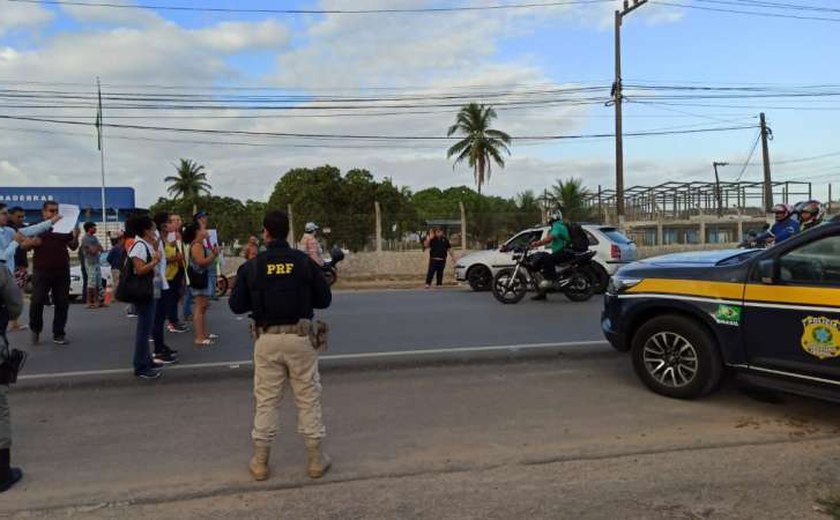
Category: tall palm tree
[570,196]
[481,145]
[190,181]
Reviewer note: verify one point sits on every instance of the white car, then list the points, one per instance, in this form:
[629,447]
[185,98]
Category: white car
[612,250]
[76,289]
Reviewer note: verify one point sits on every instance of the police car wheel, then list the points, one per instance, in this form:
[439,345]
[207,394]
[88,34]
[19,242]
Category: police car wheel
[676,357]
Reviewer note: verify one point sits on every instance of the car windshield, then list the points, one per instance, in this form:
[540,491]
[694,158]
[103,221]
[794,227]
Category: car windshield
[615,235]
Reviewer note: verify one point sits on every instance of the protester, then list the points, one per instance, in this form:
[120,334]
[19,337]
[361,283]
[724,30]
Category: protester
[202,218]
[439,247]
[164,294]
[130,312]
[90,249]
[17,216]
[175,269]
[280,288]
[200,258]
[11,305]
[145,259]
[251,250]
[116,258]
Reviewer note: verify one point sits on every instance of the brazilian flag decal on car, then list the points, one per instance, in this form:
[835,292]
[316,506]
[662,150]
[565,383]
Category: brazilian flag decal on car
[728,315]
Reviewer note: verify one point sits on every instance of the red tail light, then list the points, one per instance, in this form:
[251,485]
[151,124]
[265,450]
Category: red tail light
[615,252]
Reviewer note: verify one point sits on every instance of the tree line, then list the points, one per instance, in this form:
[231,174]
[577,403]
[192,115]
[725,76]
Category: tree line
[344,203]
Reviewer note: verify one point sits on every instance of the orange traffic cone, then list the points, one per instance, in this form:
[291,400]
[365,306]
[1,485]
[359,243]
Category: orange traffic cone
[108,296]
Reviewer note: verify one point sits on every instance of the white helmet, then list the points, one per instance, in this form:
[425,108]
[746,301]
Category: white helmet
[555,214]
[311,227]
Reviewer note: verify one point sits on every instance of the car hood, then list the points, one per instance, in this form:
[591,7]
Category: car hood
[696,258]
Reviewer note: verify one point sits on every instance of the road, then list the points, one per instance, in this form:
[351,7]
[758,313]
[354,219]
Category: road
[572,438]
[361,322]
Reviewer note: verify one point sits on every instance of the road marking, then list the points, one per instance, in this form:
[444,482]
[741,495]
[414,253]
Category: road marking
[329,357]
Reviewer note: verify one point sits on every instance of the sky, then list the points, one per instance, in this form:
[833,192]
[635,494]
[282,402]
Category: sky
[523,61]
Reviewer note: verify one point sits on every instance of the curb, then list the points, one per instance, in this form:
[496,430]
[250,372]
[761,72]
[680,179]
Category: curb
[329,363]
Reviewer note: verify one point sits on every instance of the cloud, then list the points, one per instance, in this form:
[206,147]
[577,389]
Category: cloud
[239,36]
[14,16]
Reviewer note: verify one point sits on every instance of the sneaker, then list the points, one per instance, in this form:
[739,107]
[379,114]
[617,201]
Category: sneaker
[150,373]
[60,340]
[177,329]
[170,351]
[164,358]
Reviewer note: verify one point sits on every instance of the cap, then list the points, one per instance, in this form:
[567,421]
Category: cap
[201,214]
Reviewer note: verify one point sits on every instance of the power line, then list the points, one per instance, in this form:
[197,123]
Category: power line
[362,137]
[749,157]
[419,10]
[752,13]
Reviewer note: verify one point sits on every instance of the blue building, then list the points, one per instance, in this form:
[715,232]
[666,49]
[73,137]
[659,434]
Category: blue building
[119,202]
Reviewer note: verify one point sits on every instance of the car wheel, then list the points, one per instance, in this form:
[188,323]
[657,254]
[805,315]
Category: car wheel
[677,357]
[480,278]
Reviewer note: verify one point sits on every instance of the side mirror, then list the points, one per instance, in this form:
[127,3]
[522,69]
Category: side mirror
[767,270]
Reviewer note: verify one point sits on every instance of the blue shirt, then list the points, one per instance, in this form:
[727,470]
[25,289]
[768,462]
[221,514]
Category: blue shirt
[785,229]
[8,244]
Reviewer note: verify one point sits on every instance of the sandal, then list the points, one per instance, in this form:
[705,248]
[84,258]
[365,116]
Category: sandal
[204,343]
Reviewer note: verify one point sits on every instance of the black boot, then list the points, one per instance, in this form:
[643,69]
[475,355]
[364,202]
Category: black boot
[8,475]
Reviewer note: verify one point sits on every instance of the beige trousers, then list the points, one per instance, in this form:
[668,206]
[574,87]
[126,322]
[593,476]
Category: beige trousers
[278,358]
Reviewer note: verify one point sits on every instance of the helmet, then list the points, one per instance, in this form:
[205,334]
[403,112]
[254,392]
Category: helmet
[311,227]
[782,209]
[555,214]
[812,208]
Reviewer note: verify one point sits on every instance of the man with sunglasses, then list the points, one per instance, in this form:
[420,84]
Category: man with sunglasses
[51,275]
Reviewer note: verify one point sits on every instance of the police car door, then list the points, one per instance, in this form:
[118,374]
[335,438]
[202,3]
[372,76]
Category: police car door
[791,322]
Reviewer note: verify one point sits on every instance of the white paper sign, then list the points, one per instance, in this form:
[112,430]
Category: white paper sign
[170,237]
[70,216]
[213,236]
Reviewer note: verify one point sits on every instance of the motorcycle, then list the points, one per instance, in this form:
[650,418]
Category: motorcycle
[573,277]
[330,272]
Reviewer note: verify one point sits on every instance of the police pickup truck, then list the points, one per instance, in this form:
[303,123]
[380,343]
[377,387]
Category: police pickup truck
[771,315]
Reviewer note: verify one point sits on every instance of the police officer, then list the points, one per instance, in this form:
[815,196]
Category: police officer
[11,305]
[280,288]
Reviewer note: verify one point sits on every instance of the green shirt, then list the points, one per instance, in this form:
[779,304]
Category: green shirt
[560,236]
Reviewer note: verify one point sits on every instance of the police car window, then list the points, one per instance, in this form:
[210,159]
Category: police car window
[816,263]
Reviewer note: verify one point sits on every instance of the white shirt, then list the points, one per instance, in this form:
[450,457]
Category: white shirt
[161,271]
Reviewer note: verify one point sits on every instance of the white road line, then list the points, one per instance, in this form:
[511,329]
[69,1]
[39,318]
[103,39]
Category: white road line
[330,357]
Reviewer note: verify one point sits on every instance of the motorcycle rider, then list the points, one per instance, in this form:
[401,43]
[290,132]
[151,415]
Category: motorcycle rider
[559,238]
[810,214]
[309,243]
[784,227]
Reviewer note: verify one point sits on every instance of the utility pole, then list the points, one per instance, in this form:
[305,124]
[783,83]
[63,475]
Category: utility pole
[617,100]
[766,135]
[718,194]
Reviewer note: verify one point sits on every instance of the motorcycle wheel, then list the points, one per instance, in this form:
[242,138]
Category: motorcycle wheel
[580,287]
[330,275]
[507,289]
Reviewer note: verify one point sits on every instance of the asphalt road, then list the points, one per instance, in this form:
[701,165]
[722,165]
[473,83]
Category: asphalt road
[361,322]
[563,438]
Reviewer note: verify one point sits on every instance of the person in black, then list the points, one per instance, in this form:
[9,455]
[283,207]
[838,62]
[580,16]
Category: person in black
[280,288]
[51,276]
[439,247]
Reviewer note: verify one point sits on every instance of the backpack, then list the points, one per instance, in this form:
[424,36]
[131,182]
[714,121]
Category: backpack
[578,242]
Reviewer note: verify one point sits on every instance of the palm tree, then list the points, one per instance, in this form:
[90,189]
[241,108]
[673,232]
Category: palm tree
[570,196]
[190,181]
[481,145]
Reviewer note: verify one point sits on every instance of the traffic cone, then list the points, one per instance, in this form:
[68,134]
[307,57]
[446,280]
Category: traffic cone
[108,296]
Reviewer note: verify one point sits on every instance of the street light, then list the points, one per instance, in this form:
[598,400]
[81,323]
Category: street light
[617,99]
[718,194]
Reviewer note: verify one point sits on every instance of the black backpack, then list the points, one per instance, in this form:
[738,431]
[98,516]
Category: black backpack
[578,242]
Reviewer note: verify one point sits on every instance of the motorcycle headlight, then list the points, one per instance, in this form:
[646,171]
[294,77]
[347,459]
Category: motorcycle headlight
[620,283]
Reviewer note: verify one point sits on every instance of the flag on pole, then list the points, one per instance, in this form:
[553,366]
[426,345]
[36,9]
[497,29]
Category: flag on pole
[98,123]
